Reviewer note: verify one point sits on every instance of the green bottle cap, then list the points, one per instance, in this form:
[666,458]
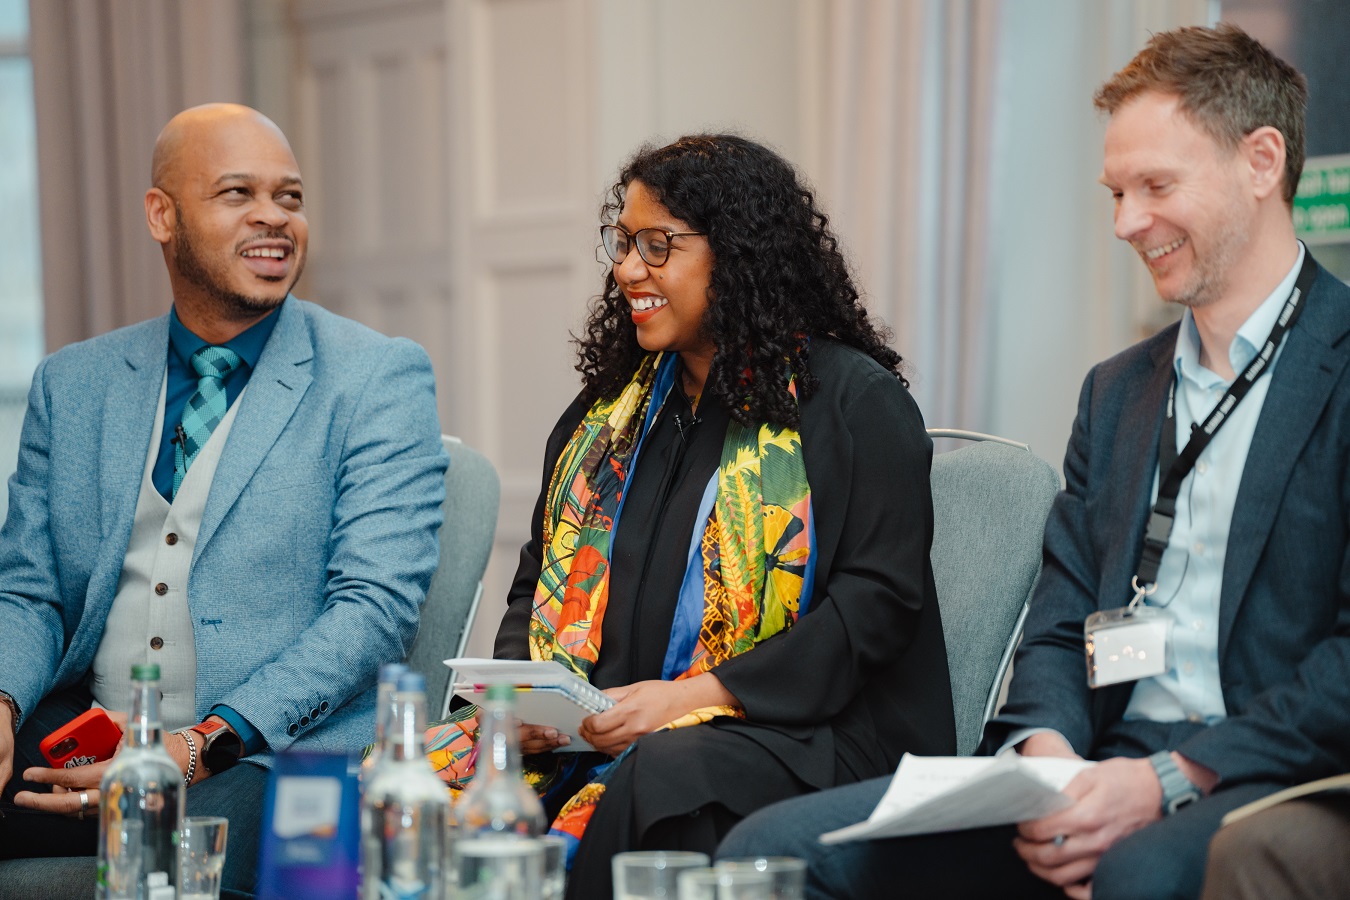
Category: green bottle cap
[501,692]
[148,672]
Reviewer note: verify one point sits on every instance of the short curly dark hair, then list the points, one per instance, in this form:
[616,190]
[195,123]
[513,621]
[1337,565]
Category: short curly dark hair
[778,278]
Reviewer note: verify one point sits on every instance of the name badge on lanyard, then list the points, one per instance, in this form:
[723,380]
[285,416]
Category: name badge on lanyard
[1127,644]
[1134,641]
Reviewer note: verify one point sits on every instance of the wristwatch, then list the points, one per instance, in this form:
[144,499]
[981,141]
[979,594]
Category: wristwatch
[219,746]
[1177,789]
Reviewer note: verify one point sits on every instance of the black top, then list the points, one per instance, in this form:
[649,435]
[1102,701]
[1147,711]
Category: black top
[862,677]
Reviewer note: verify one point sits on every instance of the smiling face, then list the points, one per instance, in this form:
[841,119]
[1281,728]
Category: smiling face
[667,303]
[228,206]
[1181,199]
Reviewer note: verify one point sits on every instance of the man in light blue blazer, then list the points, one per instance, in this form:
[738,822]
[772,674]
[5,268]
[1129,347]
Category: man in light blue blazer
[245,491]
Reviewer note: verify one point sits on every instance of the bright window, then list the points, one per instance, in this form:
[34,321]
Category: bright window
[21,342]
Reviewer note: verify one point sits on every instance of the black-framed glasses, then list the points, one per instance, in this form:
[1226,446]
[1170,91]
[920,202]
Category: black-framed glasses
[653,244]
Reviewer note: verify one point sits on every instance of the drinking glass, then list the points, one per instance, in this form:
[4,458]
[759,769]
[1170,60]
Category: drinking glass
[201,856]
[650,874]
[787,874]
[505,867]
[555,872]
[725,884]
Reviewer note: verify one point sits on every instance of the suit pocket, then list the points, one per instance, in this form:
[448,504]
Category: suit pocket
[274,476]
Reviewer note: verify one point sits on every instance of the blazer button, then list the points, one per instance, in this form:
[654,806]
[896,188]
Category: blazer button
[304,720]
[161,589]
[170,538]
[314,713]
[293,730]
[323,707]
[156,643]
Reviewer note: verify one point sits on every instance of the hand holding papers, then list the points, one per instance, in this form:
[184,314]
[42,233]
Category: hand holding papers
[951,793]
[546,693]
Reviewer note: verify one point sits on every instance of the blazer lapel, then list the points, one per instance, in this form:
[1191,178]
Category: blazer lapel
[1137,439]
[130,402]
[128,418]
[1131,495]
[274,392]
[1308,369]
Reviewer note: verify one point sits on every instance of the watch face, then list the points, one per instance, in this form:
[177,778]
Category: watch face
[223,750]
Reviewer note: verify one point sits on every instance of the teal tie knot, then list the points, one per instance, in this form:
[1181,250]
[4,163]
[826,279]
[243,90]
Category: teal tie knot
[205,409]
[215,362]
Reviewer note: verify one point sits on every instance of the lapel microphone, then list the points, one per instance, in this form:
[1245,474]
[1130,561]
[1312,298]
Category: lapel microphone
[681,423]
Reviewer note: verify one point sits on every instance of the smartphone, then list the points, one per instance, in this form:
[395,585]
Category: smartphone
[88,738]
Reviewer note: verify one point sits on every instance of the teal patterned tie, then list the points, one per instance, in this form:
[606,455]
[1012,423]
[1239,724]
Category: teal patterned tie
[205,408]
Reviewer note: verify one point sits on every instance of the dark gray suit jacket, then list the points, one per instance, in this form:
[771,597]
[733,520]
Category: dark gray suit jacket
[1284,629]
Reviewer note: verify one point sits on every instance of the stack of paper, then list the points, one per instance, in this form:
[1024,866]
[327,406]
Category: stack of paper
[949,793]
[546,693]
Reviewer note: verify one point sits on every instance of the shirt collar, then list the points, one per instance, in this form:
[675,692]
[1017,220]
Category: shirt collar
[1248,341]
[248,344]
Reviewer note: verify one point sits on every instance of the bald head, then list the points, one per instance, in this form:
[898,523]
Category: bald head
[201,128]
[228,208]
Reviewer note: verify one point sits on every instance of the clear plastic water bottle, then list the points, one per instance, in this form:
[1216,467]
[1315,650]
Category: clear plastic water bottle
[498,801]
[384,714]
[140,805]
[405,808]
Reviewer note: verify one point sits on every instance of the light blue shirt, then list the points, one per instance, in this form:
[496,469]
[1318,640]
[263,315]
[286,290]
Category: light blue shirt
[1190,578]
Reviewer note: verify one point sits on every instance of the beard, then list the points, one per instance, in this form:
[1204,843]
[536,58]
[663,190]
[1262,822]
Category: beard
[1211,273]
[202,273]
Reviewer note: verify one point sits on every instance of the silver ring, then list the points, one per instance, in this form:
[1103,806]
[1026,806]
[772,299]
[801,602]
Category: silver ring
[1060,839]
[84,804]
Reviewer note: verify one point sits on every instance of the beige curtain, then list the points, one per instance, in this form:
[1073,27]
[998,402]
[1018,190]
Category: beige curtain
[107,75]
[905,148]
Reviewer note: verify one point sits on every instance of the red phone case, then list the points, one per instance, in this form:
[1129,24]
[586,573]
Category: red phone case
[88,738]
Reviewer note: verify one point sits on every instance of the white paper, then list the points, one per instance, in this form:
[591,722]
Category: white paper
[950,793]
[306,804]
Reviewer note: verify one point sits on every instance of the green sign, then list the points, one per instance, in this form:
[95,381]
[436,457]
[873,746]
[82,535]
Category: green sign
[1322,204]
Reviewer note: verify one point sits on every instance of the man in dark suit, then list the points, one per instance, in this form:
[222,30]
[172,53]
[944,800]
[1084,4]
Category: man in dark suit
[1248,567]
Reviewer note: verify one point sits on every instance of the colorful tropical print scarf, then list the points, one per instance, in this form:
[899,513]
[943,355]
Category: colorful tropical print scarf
[750,567]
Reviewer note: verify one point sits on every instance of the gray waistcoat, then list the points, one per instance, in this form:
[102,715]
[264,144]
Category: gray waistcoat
[150,620]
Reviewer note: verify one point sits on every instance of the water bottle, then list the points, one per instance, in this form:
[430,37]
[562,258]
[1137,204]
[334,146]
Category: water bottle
[384,714]
[405,808]
[498,801]
[140,805]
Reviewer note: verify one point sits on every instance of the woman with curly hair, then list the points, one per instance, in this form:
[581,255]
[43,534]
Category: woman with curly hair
[732,537]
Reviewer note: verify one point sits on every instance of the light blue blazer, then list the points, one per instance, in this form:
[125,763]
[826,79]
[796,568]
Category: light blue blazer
[316,547]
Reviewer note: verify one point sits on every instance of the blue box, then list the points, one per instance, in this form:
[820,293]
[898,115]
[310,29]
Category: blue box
[311,843]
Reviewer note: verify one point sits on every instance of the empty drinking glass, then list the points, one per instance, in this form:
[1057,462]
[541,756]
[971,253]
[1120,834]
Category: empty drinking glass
[498,867]
[201,856]
[724,884]
[651,874]
[786,873]
[555,871]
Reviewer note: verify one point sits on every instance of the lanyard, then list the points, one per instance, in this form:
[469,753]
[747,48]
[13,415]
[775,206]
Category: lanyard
[1178,466]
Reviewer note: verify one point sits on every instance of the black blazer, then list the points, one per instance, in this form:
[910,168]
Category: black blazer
[1284,621]
[862,678]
